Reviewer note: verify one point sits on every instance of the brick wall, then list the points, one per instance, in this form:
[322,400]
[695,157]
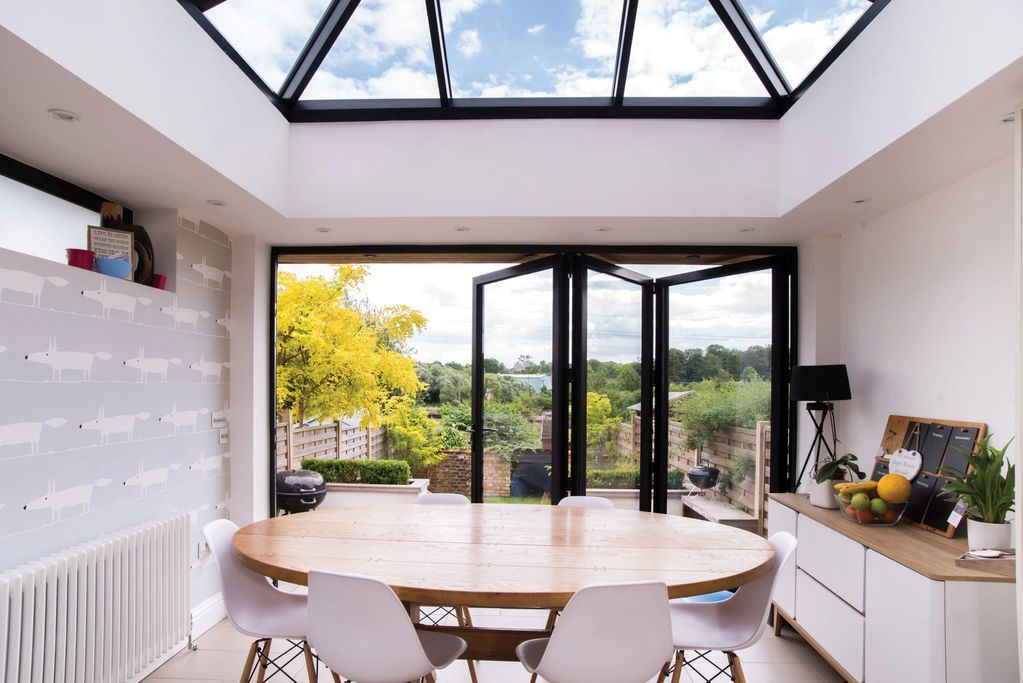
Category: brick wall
[453,474]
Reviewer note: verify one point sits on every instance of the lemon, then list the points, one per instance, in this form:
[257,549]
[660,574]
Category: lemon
[894,488]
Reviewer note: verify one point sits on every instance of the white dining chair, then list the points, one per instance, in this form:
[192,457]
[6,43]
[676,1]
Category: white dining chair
[728,625]
[609,633]
[441,499]
[461,613]
[258,609]
[590,502]
[362,632]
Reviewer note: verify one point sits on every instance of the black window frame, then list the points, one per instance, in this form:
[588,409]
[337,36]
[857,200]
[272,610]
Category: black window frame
[287,99]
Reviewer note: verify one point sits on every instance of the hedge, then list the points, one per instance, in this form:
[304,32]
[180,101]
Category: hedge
[628,478]
[360,471]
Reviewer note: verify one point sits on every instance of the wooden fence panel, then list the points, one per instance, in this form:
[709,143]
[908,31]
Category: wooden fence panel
[332,441]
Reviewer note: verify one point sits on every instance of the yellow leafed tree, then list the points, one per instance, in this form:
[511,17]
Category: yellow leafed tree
[336,356]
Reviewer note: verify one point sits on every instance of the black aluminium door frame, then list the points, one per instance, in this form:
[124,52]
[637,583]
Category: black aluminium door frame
[581,266]
[784,303]
[559,370]
[785,318]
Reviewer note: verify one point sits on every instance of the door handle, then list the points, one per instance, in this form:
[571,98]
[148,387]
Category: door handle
[473,430]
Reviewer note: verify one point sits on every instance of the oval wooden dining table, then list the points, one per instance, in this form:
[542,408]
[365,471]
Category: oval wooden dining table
[512,556]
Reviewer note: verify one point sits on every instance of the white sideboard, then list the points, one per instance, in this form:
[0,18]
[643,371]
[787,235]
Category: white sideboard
[887,605]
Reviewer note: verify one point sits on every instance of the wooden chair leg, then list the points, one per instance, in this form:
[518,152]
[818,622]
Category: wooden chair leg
[337,679]
[247,671]
[467,616]
[736,668]
[777,620]
[664,672]
[264,659]
[680,662]
[532,679]
[310,663]
[552,617]
[430,678]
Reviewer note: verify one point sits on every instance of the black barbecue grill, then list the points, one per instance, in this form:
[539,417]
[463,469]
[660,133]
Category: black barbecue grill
[300,490]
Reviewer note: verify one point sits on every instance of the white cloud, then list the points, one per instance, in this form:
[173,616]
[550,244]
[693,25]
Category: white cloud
[533,30]
[734,311]
[469,43]
[268,34]
[799,45]
[395,82]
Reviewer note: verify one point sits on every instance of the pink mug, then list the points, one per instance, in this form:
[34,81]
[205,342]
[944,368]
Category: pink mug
[81,258]
[158,281]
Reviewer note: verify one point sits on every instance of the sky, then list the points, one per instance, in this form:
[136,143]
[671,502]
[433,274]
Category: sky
[734,311]
[529,48]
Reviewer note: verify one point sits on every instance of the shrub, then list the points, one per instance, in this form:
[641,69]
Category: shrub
[628,478]
[719,405]
[360,471]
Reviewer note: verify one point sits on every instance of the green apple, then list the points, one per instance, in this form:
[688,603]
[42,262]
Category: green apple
[878,506]
[860,501]
[845,498]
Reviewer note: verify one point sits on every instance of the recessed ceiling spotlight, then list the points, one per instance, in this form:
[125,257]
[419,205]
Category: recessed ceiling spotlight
[693,257]
[1009,118]
[462,228]
[322,229]
[747,229]
[369,255]
[861,200]
[216,202]
[603,228]
[63,115]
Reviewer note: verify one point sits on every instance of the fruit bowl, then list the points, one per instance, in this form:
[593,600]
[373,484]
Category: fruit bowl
[877,512]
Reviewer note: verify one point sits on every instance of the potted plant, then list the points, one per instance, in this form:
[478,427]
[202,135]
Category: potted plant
[988,493]
[822,491]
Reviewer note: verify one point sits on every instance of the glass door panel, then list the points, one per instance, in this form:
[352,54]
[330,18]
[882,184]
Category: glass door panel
[716,346]
[513,433]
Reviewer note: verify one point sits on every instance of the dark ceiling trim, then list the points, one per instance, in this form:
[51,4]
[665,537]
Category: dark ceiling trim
[321,111]
[316,48]
[50,184]
[747,37]
[193,9]
[829,59]
[531,250]
[440,51]
[207,5]
[625,34]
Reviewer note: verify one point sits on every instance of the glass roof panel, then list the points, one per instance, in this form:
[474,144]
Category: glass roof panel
[531,48]
[268,34]
[681,49]
[384,52]
[799,33]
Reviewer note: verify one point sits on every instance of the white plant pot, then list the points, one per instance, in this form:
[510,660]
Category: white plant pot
[985,536]
[823,495]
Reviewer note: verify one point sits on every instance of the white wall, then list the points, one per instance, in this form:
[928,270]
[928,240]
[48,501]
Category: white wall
[535,168]
[916,58]
[927,311]
[250,389]
[90,418]
[152,59]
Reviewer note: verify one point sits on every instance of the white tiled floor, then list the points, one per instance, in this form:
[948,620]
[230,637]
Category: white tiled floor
[222,651]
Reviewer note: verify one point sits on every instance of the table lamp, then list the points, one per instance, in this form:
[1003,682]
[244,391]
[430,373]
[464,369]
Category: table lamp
[820,386]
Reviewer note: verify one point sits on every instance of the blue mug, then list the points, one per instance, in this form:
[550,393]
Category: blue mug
[114,267]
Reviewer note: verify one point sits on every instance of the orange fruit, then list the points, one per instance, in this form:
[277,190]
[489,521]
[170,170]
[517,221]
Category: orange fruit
[889,516]
[894,489]
[851,512]
[865,516]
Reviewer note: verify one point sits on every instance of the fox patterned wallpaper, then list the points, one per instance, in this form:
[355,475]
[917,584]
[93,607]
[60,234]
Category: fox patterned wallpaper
[107,394]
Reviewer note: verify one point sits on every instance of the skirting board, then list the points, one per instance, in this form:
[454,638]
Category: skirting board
[204,616]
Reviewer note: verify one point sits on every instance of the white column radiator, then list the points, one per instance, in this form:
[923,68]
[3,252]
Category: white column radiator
[99,612]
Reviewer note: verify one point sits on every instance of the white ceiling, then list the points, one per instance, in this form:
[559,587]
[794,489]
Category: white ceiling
[116,154]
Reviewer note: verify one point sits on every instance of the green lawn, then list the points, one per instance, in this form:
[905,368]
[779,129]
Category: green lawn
[521,500]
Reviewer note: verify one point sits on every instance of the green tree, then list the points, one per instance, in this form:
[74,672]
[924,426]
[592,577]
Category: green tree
[411,435]
[337,357]
[601,425]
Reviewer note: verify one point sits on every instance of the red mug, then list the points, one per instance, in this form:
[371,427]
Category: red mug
[158,281]
[81,258]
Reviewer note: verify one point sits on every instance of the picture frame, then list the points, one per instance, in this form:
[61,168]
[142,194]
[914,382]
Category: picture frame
[112,242]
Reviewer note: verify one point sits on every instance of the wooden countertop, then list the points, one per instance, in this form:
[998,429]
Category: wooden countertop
[924,552]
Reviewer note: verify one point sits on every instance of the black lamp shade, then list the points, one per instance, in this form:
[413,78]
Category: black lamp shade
[820,383]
